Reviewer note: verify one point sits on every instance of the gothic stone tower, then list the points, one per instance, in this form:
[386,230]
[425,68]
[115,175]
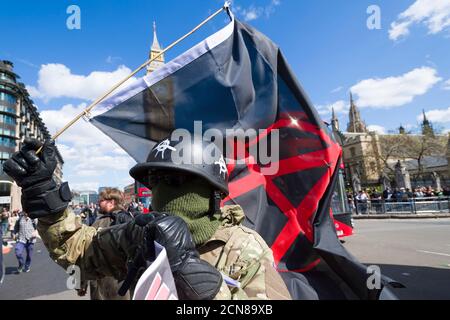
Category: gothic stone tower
[154,51]
[355,125]
[160,101]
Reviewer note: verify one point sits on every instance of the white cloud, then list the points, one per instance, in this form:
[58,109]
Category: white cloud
[255,12]
[83,186]
[398,30]
[90,157]
[447,85]
[251,13]
[377,129]
[437,116]
[340,107]
[336,90]
[435,14]
[34,93]
[395,91]
[57,80]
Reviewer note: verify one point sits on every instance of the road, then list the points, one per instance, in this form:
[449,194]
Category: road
[413,252]
[45,281]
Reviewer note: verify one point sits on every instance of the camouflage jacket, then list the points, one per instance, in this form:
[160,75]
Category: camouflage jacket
[240,254]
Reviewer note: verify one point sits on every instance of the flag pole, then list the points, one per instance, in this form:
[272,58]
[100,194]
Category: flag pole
[86,111]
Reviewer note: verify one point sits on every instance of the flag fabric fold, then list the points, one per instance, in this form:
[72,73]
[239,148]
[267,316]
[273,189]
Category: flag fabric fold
[239,79]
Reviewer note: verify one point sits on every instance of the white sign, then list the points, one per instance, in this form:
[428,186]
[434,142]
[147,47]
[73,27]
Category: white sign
[157,283]
[5,200]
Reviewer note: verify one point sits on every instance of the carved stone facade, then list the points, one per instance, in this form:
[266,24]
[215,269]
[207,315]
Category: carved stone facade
[370,158]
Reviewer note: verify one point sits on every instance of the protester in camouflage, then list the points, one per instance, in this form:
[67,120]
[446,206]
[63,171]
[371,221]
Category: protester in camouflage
[211,255]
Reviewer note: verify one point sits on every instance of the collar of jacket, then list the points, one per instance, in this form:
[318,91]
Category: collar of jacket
[231,216]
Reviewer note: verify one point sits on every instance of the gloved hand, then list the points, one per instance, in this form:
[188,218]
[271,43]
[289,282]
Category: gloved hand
[27,169]
[34,173]
[195,279]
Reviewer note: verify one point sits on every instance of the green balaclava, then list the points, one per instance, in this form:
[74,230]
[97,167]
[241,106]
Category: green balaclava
[191,202]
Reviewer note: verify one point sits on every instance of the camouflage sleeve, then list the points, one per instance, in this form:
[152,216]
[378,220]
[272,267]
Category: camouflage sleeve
[248,259]
[98,253]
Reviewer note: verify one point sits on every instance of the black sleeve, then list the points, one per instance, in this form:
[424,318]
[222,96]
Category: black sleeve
[124,217]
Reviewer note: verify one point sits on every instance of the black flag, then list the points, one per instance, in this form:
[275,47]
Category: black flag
[239,79]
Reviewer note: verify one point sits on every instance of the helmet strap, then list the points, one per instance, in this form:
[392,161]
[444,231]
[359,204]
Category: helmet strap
[215,202]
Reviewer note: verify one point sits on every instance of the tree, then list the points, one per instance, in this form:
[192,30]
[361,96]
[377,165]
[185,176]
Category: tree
[393,148]
[419,147]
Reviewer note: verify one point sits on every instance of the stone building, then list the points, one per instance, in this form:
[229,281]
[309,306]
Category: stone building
[161,114]
[19,119]
[370,158]
[154,51]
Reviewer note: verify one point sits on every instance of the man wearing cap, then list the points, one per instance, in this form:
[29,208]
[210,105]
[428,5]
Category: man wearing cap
[210,254]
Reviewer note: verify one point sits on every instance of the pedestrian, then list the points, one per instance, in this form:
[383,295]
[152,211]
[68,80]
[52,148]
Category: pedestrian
[362,198]
[403,195]
[386,194]
[429,193]
[25,234]
[2,266]
[5,214]
[409,194]
[84,215]
[12,222]
[351,202]
[396,195]
[92,214]
[418,193]
[203,241]
[446,192]
[112,213]
[375,199]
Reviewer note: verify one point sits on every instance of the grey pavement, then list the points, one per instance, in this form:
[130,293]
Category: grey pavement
[413,252]
[45,281]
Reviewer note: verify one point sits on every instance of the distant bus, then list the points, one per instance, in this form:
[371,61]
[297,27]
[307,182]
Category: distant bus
[144,196]
[340,208]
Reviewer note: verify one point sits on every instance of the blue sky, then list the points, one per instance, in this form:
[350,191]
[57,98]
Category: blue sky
[394,72]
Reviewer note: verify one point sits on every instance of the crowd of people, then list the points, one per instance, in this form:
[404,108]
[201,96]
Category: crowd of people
[9,221]
[17,228]
[364,197]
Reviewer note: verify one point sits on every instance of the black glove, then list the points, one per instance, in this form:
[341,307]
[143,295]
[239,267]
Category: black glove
[195,279]
[34,174]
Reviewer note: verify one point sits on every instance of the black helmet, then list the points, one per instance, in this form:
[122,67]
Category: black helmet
[167,155]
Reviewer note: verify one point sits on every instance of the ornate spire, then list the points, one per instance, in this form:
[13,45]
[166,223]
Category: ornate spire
[427,128]
[155,45]
[355,125]
[334,120]
[154,52]
[425,120]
